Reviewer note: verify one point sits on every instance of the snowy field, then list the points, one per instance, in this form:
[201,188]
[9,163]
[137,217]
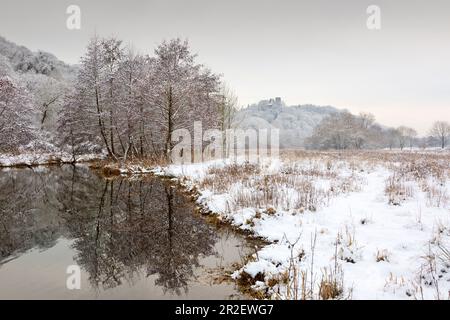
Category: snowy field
[367,225]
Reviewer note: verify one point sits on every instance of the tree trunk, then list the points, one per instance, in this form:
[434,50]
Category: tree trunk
[111,133]
[168,144]
[100,124]
[141,138]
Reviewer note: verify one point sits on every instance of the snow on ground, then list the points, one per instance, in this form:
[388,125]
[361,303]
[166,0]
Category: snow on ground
[367,225]
[335,228]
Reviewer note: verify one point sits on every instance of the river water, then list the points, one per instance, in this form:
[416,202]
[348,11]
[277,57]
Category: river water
[130,238]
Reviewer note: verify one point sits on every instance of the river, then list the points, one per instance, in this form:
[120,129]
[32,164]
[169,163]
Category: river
[130,238]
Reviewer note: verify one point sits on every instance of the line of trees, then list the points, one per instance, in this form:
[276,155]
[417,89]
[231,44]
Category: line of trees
[122,103]
[129,104]
[344,130]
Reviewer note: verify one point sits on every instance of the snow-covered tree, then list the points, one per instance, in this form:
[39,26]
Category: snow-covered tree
[77,128]
[132,113]
[16,112]
[111,54]
[134,103]
[47,94]
[25,61]
[88,98]
[5,67]
[181,91]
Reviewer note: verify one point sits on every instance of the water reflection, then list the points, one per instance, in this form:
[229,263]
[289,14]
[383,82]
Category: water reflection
[24,221]
[122,230]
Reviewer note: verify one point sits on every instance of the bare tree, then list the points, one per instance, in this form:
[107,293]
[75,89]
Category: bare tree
[367,120]
[402,136]
[392,137]
[411,134]
[406,135]
[227,108]
[441,130]
[343,130]
[362,125]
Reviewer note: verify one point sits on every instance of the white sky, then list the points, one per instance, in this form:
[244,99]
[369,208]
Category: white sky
[317,52]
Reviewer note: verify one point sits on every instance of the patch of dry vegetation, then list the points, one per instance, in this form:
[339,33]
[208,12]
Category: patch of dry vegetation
[297,187]
[398,190]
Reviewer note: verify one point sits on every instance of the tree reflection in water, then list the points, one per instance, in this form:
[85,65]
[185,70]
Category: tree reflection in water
[27,219]
[122,228]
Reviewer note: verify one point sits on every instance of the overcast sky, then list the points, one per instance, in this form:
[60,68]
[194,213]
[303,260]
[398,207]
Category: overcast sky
[318,52]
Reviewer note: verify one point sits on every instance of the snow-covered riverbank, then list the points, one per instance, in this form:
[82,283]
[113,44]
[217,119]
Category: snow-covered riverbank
[352,226]
[40,158]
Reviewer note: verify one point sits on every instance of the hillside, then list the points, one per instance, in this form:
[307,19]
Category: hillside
[295,122]
[22,60]
[43,81]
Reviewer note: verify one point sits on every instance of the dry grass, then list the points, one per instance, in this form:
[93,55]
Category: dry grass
[437,195]
[398,190]
[292,189]
[382,255]
[302,283]
[331,285]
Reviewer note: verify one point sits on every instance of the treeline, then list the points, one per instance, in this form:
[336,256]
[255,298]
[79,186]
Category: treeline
[123,103]
[343,130]
[129,104]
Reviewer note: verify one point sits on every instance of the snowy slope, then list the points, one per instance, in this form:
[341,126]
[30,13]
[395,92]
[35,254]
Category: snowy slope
[23,60]
[44,80]
[295,122]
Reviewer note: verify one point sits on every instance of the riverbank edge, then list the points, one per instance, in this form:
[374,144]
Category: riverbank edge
[45,159]
[243,281]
